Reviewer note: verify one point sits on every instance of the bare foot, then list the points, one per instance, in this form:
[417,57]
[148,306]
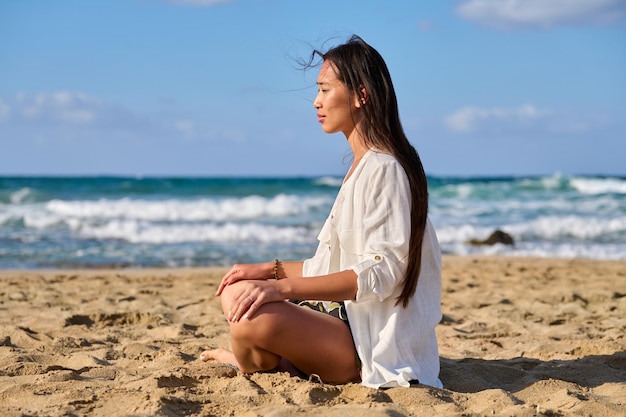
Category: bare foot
[220,355]
[227,357]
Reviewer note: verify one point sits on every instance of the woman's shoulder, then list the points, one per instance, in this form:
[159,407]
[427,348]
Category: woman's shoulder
[376,160]
[378,168]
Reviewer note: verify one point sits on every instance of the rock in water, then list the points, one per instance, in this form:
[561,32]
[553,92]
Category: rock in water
[497,236]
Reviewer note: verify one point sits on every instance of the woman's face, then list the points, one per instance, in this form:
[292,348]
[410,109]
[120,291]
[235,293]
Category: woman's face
[334,104]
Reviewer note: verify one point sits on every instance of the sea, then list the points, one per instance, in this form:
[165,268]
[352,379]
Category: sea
[123,222]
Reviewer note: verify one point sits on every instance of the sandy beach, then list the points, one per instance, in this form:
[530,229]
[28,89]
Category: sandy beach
[519,337]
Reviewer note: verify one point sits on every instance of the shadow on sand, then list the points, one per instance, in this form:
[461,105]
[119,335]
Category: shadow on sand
[475,375]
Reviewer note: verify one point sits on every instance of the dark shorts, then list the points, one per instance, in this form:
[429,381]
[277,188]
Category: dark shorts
[336,308]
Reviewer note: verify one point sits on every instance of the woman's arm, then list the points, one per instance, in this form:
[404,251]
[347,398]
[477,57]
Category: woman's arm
[249,295]
[261,271]
[288,269]
[333,287]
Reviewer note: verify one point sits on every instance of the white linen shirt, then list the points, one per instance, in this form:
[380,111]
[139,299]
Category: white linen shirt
[368,232]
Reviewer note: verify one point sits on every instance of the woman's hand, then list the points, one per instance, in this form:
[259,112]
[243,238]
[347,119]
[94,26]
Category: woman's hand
[248,296]
[245,272]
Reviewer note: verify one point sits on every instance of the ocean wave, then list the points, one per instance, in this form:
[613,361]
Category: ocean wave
[329,181]
[572,227]
[599,185]
[250,207]
[216,221]
[543,229]
[19,195]
[134,231]
[569,250]
[494,188]
[508,208]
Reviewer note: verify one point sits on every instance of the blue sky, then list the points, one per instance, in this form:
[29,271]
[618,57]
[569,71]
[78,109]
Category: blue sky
[211,88]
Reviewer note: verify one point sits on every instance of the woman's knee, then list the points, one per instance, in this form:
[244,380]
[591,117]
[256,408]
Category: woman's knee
[226,298]
[256,330]
[263,329]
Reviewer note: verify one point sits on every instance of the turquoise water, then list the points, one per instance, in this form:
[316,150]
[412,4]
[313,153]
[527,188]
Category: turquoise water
[155,222]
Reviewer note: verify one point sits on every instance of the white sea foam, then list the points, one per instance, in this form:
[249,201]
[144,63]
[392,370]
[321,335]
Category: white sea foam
[5,217]
[33,215]
[329,181]
[136,231]
[41,220]
[464,190]
[552,182]
[18,196]
[250,207]
[546,228]
[547,216]
[451,233]
[614,251]
[599,185]
[571,227]
[459,208]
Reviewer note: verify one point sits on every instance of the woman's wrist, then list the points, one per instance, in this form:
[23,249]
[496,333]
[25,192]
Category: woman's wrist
[275,270]
[284,287]
[268,270]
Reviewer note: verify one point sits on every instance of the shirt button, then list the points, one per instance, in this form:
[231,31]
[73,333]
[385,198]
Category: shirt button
[378,257]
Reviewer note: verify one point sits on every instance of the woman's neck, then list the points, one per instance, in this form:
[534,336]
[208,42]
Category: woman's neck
[357,144]
[359,148]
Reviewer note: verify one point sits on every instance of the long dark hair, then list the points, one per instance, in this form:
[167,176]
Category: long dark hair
[359,66]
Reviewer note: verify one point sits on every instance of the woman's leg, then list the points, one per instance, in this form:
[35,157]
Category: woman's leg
[313,342]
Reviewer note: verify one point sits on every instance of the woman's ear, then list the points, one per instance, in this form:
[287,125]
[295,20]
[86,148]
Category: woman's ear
[361,97]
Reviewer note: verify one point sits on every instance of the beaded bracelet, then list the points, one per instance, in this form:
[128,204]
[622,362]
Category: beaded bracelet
[276,263]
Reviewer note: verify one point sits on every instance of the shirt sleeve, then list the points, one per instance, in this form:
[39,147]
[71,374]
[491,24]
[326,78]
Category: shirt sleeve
[379,242]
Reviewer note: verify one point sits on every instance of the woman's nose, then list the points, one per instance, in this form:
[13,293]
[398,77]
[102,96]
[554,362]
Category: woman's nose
[316,103]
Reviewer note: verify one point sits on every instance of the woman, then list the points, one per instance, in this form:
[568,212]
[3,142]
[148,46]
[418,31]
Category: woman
[378,263]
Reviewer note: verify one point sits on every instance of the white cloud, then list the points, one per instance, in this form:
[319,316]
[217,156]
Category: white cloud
[67,115]
[471,118]
[51,116]
[542,13]
[58,107]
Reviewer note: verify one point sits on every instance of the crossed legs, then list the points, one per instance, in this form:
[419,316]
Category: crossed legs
[282,334]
